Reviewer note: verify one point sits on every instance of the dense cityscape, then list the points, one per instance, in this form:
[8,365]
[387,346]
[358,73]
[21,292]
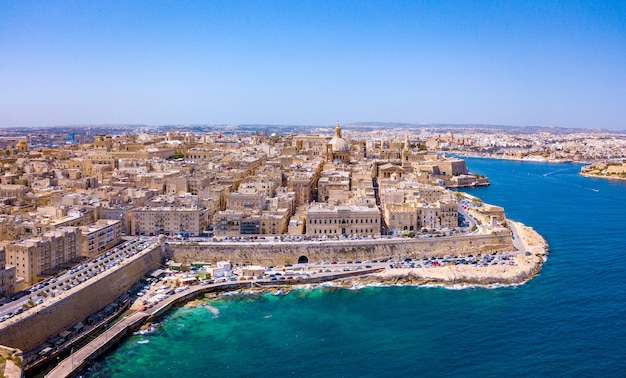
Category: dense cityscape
[78,202]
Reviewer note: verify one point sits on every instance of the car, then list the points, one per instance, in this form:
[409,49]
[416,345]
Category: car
[20,295]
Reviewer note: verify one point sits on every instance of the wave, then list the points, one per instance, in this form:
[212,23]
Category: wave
[213,310]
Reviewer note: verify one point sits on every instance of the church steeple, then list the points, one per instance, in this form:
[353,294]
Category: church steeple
[406,141]
[405,154]
[338,130]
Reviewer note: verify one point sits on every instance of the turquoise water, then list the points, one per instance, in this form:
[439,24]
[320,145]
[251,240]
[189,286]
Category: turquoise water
[568,321]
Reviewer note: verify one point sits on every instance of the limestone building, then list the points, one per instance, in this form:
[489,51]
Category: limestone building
[35,257]
[100,236]
[248,199]
[150,221]
[7,276]
[323,219]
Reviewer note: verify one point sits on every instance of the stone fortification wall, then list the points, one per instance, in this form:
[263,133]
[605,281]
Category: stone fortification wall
[37,325]
[278,253]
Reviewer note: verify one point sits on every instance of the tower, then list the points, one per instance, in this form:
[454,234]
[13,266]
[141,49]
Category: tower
[406,154]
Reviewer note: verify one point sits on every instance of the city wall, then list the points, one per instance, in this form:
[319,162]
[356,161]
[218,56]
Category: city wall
[279,253]
[71,307]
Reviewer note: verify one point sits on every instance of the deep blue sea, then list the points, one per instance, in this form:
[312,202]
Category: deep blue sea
[570,321]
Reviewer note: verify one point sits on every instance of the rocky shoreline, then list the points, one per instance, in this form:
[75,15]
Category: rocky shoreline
[527,264]
[592,175]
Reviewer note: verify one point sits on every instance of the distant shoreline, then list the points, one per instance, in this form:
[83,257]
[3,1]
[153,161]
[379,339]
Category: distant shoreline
[523,159]
[591,175]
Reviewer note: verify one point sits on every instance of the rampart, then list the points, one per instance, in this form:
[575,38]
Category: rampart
[278,253]
[35,326]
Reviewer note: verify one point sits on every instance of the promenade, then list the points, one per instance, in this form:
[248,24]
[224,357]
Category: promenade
[76,361]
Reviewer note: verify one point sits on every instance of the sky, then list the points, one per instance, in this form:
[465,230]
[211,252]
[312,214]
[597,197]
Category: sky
[518,63]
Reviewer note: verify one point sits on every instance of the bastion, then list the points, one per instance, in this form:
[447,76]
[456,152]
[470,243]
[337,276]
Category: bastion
[279,253]
[33,327]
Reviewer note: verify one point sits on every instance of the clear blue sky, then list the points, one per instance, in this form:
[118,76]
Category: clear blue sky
[544,63]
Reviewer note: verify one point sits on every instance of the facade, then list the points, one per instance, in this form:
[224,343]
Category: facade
[227,223]
[100,236]
[247,199]
[415,216]
[33,258]
[332,181]
[236,223]
[303,186]
[7,276]
[150,221]
[335,221]
[438,215]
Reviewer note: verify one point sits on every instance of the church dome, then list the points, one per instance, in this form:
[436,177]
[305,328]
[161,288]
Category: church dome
[338,143]
[22,145]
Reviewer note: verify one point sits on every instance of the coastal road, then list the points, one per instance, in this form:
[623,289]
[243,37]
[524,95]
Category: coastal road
[518,241]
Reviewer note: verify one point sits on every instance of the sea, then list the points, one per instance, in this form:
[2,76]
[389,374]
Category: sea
[569,321]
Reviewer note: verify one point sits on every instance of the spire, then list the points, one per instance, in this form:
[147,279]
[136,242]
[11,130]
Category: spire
[406,141]
[338,130]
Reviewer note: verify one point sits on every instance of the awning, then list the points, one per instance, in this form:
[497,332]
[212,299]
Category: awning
[157,273]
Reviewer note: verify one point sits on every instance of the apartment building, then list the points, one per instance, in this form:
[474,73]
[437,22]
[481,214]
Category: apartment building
[35,257]
[100,236]
[190,221]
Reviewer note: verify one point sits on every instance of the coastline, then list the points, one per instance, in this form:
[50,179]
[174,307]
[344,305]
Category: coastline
[535,159]
[527,264]
[527,267]
[591,175]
